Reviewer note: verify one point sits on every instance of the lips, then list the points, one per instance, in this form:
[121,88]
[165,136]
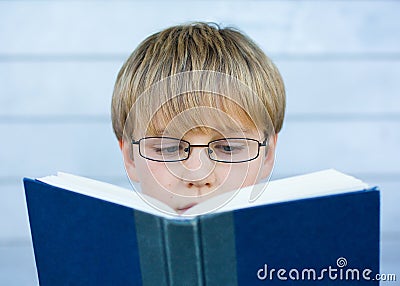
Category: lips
[185,208]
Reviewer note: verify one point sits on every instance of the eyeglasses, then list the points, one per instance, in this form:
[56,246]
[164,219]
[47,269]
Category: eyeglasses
[227,150]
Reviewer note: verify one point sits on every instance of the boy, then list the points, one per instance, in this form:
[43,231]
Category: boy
[196,109]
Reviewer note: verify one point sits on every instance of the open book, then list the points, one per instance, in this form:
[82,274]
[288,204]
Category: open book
[87,232]
[305,186]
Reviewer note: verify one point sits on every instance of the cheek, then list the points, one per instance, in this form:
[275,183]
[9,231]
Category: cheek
[254,172]
[239,175]
[154,176]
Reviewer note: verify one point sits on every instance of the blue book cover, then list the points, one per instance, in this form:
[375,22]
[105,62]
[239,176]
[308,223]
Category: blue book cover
[328,239]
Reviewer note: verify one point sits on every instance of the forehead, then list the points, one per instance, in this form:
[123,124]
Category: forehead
[197,99]
[208,133]
[202,111]
[207,120]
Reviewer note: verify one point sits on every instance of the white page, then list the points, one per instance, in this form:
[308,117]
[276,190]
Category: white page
[108,192]
[315,184]
[304,186]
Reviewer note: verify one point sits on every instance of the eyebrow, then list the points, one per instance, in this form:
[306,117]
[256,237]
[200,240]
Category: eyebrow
[160,132]
[234,130]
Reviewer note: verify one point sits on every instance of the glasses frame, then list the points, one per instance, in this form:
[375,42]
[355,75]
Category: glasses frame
[260,144]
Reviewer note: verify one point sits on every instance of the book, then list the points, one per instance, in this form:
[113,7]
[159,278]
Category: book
[317,228]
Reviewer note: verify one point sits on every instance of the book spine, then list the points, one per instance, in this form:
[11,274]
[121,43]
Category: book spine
[150,238]
[183,252]
[219,249]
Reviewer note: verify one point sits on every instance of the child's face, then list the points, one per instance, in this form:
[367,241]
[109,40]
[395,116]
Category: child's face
[186,183]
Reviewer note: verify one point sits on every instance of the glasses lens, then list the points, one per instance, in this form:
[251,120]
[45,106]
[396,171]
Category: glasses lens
[164,149]
[233,150]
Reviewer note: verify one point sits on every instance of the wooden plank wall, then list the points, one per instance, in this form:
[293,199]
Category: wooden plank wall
[59,59]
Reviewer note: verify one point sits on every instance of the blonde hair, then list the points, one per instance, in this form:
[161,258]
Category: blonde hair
[182,58]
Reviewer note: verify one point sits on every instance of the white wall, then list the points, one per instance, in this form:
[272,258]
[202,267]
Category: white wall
[59,59]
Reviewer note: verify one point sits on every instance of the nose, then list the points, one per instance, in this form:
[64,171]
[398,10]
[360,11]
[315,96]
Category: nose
[198,158]
[198,169]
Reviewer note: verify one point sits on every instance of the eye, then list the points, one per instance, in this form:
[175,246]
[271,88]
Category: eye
[229,147]
[171,149]
[167,149]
